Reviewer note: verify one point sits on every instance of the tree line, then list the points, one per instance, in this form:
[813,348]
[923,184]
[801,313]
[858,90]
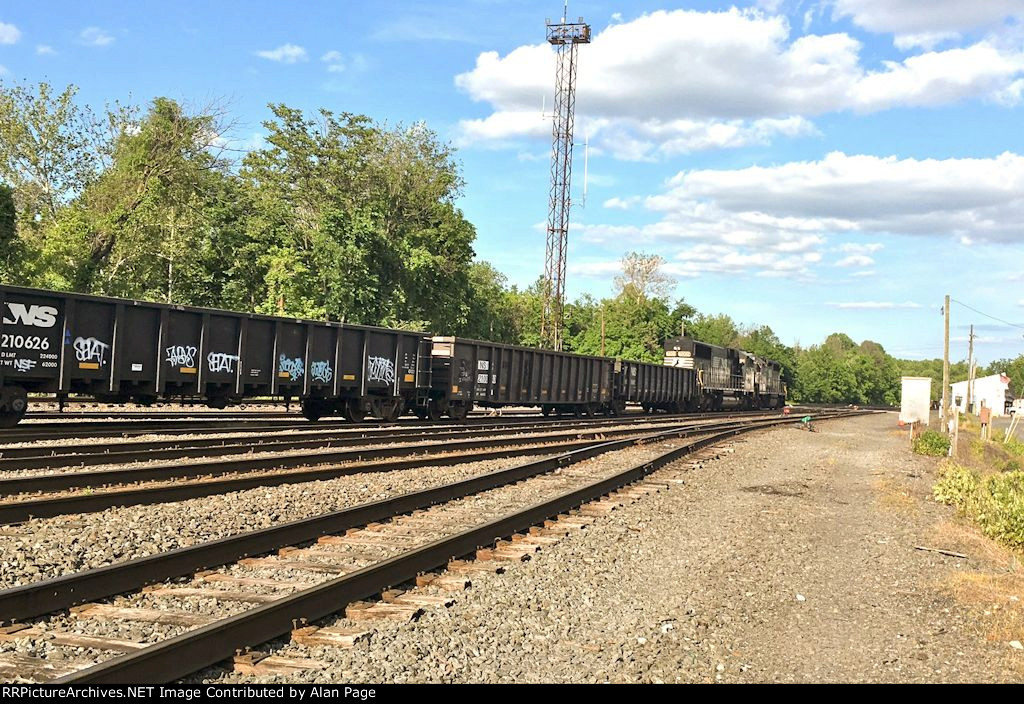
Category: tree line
[335,217]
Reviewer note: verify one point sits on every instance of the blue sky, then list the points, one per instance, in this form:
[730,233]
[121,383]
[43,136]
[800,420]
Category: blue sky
[811,165]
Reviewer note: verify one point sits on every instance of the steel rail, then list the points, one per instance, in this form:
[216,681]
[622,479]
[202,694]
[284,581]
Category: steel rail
[50,457]
[62,592]
[189,652]
[11,486]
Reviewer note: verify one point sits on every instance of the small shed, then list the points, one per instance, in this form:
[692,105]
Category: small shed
[915,399]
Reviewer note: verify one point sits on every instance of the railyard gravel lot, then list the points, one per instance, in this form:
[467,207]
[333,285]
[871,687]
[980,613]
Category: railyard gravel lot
[791,559]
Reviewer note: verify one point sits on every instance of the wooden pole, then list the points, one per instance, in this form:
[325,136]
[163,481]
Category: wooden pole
[945,370]
[602,331]
[970,368]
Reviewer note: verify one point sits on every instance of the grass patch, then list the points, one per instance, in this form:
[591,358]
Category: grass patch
[894,495]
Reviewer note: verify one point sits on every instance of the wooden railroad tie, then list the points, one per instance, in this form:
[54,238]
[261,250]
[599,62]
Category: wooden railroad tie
[218,577]
[447,582]
[257,663]
[332,637]
[220,594]
[105,612]
[369,611]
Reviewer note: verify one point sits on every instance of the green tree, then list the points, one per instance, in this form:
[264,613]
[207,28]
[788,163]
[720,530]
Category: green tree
[715,330]
[357,222]
[10,247]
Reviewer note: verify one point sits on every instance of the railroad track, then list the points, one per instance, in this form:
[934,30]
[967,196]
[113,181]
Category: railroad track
[123,452]
[322,564]
[81,491]
[32,432]
[120,430]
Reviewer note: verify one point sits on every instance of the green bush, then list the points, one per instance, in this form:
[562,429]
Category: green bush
[995,503]
[955,484]
[1014,447]
[931,442]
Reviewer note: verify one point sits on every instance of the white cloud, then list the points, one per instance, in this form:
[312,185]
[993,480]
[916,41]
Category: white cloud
[855,260]
[45,50]
[285,54]
[873,305]
[3,69]
[677,81]
[776,221]
[9,34]
[95,36]
[924,40]
[858,248]
[616,203]
[903,17]
[982,199]
[334,60]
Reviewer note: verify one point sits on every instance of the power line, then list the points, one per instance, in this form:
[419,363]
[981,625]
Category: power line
[992,317]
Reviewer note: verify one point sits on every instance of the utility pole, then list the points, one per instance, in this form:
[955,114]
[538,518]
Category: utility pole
[970,369]
[945,370]
[566,38]
[602,331]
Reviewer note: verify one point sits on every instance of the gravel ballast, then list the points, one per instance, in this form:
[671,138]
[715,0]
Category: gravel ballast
[791,559]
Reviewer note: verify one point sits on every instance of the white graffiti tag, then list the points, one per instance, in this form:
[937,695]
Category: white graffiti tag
[380,369]
[181,356]
[220,362]
[292,367]
[24,365]
[321,371]
[89,349]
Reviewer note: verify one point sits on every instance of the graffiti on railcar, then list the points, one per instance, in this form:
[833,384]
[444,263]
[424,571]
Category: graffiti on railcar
[89,350]
[219,362]
[380,369]
[181,356]
[291,368]
[321,371]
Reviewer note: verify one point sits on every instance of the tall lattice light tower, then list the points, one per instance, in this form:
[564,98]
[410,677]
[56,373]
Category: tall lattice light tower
[566,38]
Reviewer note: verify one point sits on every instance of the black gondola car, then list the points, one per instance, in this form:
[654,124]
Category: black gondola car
[468,373]
[655,387]
[119,350]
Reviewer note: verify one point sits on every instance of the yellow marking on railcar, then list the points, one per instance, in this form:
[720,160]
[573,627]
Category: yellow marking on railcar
[188,370]
[410,378]
[349,377]
[88,365]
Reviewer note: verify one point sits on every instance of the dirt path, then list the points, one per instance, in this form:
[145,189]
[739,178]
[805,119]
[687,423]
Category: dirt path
[789,559]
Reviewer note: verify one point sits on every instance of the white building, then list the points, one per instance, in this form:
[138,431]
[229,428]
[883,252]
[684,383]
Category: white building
[993,390]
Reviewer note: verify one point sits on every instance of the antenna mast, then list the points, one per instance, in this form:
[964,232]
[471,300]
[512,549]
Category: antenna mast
[565,37]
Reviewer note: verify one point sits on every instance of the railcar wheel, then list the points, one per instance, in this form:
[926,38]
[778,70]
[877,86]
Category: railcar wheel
[313,409]
[458,411]
[390,411]
[15,407]
[217,402]
[9,419]
[434,412]
[546,411]
[577,411]
[353,411]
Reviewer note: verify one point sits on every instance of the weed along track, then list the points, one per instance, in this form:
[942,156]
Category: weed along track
[171,614]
